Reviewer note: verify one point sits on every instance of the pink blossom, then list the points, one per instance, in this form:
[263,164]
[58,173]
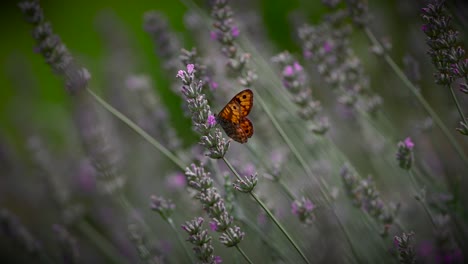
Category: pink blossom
[408,143]
[327,46]
[190,68]
[180,74]
[176,181]
[217,259]
[308,205]
[235,32]
[288,71]
[297,66]
[214,85]
[211,120]
[213,226]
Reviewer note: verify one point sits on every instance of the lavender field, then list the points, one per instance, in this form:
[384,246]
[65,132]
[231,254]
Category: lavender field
[234,132]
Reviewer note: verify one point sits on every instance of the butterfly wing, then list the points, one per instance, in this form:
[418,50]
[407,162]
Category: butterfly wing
[232,117]
[245,100]
[231,112]
[247,127]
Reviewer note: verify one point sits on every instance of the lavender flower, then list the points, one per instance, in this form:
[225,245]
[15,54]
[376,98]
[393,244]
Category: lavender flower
[232,236]
[405,153]
[226,33]
[203,72]
[99,144]
[165,41]
[70,211]
[164,207]
[406,253]
[224,23]
[213,204]
[365,195]
[152,117]
[351,182]
[447,56]
[202,118]
[202,241]
[303,208]
[327,45]
[95,139]
[68,244]
[294,80]
[247,184]
[53,50]
[176,181]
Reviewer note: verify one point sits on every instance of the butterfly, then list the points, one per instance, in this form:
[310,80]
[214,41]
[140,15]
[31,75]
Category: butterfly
[233,117]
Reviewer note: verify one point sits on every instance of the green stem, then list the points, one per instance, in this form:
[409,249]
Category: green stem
[420,98]
[284,136]
[460,112]
[420,199]
[278,224]
[181,241]
[272,217]
[101,242]
[138,130]
[243,254]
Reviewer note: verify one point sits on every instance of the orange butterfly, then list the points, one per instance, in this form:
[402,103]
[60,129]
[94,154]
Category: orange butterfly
[233,118]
